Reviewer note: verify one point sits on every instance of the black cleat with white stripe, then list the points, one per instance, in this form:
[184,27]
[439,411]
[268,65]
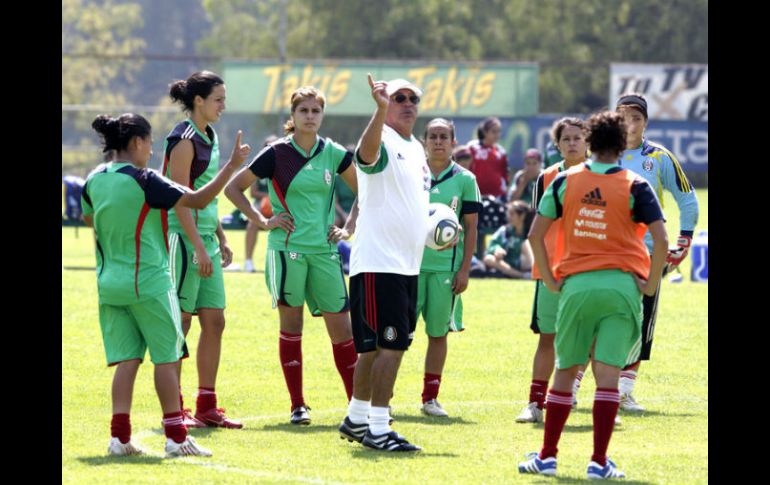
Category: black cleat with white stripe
[388,442]
[351,431]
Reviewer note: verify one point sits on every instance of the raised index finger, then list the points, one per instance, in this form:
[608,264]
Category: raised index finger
[238,139]
[370,79]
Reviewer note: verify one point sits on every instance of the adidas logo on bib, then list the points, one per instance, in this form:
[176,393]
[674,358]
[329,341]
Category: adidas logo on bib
[594,198]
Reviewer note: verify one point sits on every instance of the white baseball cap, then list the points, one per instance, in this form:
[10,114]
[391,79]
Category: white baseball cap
[395,85]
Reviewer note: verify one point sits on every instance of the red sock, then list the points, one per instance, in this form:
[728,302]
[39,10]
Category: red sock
[430,385]
[172,425]
[207,399]
[606,403]
[559,406]
[290,353]
[121,427]
[537,392]
[345,357]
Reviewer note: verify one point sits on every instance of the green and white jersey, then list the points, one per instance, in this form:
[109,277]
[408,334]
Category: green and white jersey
[204,168]
[131,246]
[457,188]
[303,185]
[393,209]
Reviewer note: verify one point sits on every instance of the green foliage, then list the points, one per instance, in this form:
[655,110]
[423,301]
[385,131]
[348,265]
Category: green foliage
[574,42]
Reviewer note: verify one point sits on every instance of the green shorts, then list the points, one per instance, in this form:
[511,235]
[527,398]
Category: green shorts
[546,307]
[294,278]
[440,308]
[129,330]
[194,291]
[604,305]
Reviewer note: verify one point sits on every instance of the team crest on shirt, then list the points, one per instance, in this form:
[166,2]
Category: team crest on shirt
[647,164]
[327,177]
[390,334]
[293,255]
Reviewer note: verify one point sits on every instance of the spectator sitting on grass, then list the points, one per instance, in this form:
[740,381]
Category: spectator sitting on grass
[509,252]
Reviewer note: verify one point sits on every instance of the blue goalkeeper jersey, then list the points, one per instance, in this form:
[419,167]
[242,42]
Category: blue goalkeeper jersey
[662,170]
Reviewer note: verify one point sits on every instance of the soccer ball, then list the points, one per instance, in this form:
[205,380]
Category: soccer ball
[443,226]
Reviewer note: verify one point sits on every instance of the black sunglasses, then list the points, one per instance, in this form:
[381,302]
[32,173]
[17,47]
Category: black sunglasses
[400,98]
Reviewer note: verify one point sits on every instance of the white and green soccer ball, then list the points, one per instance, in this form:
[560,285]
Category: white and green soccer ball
[443,226]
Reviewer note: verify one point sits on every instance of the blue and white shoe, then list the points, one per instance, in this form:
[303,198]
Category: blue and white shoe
[538,466]
[351,431]
[391,441]
[610,470]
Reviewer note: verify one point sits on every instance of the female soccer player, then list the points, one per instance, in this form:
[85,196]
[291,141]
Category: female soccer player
[602,275]
[302,265]
[444,274]
[138,308]
[569,135]
[197,242]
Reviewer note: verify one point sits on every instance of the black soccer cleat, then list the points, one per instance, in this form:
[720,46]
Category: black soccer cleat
[388,442]
[351,431]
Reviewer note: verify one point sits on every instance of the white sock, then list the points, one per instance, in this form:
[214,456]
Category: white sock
[378,420]
[358,411]
[627,381]
[576,385]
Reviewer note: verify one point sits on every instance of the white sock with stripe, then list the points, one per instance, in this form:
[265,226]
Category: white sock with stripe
[627,381]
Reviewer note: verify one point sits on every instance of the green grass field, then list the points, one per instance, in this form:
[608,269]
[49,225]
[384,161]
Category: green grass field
[485,385]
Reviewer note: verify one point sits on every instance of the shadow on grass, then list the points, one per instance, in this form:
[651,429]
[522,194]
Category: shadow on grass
[583,481]
[299,429]
[624,414]
[123,460]
[376,455]
[431,420]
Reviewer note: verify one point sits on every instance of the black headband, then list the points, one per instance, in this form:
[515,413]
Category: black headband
[633,100]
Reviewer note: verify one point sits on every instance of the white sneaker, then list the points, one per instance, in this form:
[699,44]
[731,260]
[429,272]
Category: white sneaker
[117,448]
[628,403]
[187,447]
[530,414]
[249,266]
[433,408]
[617,420]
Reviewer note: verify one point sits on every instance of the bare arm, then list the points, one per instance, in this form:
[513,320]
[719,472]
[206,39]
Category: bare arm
[203,196]
[659,253]
[350,178]
[179,164]
[234,192]
[537,240]
[335,233]
[460,283]
[224,248]
[372,137]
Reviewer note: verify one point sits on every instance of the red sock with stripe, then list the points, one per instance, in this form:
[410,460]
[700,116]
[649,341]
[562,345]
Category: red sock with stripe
[290,353]
[345,358]
[557,412]
[121,427]
[430,385]
[606,403]
[172,425]
[537,392]
[207,399]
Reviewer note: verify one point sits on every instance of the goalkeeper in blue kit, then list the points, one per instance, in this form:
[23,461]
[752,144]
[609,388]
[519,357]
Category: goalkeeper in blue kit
[662,170]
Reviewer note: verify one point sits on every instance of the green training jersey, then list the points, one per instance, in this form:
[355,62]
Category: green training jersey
[204,168]
[302,184]
[457,188]
[131,246]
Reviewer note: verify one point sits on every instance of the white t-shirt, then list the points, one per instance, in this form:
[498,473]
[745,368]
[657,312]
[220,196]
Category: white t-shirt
[393,200]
